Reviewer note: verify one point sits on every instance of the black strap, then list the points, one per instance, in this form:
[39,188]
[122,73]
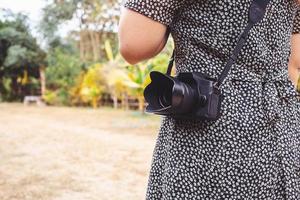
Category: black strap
[171,63]
[256,13]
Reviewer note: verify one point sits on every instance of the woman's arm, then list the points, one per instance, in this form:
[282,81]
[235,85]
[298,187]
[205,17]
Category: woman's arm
[140,37]
[294,63]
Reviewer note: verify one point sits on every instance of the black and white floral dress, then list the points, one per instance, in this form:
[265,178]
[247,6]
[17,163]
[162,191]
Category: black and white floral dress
[253,150]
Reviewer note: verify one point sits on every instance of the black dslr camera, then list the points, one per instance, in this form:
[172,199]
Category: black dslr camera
[186,96]
[193,95]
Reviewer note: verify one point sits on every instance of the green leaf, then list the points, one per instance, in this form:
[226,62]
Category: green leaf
[16,54]
[108,50]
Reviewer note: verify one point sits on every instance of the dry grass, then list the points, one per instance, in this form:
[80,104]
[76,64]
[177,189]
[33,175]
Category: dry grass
[72,153]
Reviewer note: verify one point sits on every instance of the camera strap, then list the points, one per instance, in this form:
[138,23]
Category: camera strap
[256,13]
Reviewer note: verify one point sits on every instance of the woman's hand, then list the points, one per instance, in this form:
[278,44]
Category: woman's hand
[294,63]
[140,37]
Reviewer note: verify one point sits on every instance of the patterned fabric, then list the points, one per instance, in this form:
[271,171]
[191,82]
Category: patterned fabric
[297,23]
[253,150]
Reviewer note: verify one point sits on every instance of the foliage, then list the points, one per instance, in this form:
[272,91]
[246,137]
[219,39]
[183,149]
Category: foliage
[80,68]
[91,86]
[101,13]
[116,74]
[115,81]
[20,56]
[53,15]
[139,76]
[123,79]
[97,21]
[75,91]
[22,46]
[57,97]
[66,45]
[62,69]
[61,74]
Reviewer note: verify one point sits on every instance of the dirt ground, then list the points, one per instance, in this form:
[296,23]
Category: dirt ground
[50,153]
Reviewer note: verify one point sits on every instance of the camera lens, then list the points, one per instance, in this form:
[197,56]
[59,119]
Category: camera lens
[165,99]
[170,95]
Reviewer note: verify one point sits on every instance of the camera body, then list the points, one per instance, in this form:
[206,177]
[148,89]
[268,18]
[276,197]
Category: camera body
[189,95]
[209,96]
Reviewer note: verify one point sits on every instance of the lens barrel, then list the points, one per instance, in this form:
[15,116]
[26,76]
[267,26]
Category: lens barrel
[167,95]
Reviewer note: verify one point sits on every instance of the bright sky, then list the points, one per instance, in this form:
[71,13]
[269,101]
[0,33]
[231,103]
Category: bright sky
[32,8]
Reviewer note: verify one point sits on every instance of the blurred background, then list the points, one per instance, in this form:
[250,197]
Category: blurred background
[72,121]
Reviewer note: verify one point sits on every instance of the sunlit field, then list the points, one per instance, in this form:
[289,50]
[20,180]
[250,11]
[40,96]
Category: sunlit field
[62,153]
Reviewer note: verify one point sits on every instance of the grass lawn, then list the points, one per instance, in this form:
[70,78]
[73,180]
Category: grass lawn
[63,153]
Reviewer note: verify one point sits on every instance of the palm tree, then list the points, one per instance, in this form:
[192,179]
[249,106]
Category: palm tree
[115,74]
[123,79]
[93,85]
[138,77]
[115,81]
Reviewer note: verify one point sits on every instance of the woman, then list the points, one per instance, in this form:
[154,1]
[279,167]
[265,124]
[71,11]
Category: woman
[253,150]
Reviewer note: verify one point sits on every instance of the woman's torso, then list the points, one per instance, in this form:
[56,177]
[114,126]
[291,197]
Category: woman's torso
[206,32]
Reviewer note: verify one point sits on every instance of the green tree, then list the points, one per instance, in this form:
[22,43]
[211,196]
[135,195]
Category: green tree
[20,57]
[138,77]
[97,21]
[116,75]
[123,79]
[93,85]
[64,67]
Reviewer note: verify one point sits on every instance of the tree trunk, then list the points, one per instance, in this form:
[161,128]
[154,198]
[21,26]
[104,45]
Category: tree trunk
[59,1]
[125,104]
[15,89]
[2,89]
[43,81]
[94,44]
[95,102]
[97,45]
[81,45]
[115,98]
[141,103]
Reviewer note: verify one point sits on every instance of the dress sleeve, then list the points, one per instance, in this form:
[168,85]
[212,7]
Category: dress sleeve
[296,27]
[162,11]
